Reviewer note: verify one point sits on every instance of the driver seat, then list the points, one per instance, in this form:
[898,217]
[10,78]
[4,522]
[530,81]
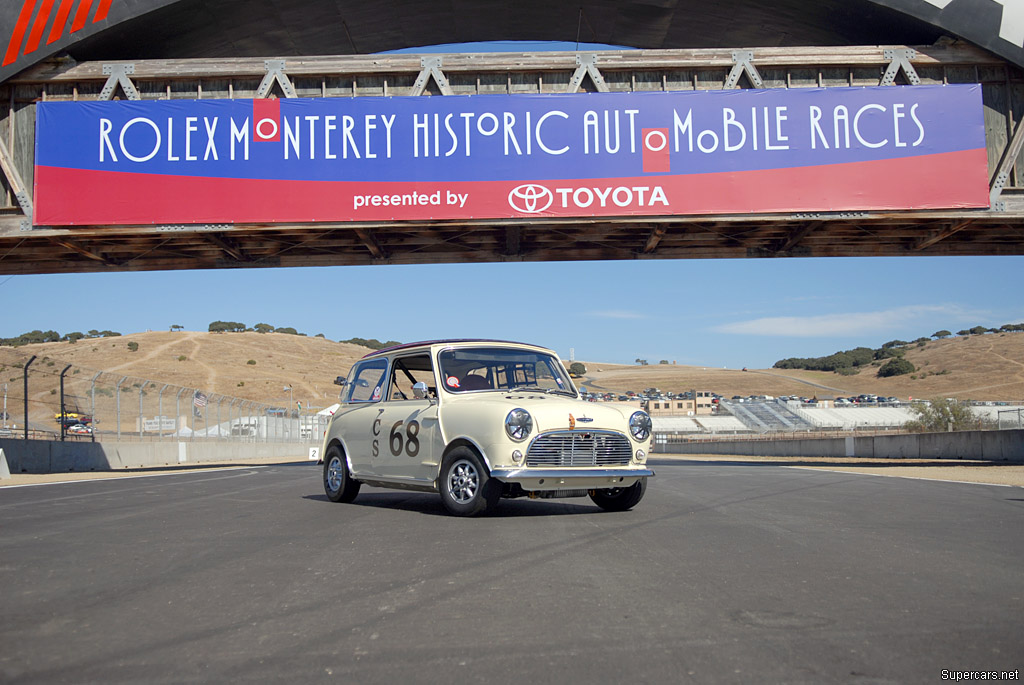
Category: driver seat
[473,381]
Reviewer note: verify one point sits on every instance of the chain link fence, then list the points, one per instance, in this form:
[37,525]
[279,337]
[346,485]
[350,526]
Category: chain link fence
[1010,418]
[66,402]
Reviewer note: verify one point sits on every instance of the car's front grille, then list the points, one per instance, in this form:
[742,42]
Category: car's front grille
[579,448]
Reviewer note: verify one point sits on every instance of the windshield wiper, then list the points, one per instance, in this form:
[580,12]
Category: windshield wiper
[546,391]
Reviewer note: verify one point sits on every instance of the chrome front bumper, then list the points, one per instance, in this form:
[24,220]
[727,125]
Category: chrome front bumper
[559,478]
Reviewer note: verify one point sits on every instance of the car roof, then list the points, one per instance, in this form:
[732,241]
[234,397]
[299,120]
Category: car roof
[450,341]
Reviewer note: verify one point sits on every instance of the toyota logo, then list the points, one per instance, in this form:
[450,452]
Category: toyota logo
[530,198]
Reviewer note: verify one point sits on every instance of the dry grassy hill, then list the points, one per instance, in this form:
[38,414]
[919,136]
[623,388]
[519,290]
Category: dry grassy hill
[213,362]
[988,367]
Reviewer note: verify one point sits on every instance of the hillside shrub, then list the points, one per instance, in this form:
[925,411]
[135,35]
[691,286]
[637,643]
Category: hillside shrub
[251,362]
[133,346]
[896,367]
[940,415]
[226,327]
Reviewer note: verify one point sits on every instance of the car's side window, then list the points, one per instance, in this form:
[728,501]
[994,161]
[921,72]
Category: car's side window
[367,381]
[406,372]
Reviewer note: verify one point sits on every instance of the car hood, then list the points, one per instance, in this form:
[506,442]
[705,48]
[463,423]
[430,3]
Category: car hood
[551,412]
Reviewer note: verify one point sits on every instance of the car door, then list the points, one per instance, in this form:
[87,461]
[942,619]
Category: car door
[356,422]
[406,426]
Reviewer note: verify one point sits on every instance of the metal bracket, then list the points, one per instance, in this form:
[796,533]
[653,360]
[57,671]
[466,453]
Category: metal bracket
[18,187]
[117,74]
[431,68]
[743,63]
[1006,164]
[830,215]
[275,72]
[180,228]
[586,64]
[899,58]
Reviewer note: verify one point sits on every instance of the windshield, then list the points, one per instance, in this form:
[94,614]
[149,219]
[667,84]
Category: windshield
[470,369]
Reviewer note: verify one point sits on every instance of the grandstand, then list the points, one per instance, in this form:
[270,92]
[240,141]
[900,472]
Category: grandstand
[853,418]
[722,424]
[788,417]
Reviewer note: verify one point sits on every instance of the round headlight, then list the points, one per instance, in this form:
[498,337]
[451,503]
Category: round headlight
[518,424]
[640,425]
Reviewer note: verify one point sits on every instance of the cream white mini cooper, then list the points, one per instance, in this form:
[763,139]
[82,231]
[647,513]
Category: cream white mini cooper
[478,420]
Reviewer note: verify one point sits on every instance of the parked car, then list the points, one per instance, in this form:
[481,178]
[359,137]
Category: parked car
[476,421]
[80,429]
[71,418]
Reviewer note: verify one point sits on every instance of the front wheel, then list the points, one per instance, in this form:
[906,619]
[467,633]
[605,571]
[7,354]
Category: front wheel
[338,482]
[466,487]
[620,499]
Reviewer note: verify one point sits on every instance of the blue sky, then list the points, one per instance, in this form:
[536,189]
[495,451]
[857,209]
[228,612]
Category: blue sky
[730,313]
[733,313]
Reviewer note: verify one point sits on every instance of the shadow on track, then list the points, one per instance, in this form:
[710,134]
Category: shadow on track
[430,505]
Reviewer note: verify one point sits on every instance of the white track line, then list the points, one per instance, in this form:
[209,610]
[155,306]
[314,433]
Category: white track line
[893,475]
[141,475]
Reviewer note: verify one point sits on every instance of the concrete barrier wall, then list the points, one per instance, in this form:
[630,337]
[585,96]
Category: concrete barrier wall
[1006,445]
[45,456]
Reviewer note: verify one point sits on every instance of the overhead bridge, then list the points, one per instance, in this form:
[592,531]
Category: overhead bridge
[29,244]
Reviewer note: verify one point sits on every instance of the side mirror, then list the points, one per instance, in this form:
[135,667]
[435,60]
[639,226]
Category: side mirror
[420,390]
[340,380]
[583,389]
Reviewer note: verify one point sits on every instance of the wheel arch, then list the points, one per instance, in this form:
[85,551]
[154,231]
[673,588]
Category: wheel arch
[335,441]
[465,442]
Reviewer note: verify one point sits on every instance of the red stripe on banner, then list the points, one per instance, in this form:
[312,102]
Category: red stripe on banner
[76,197]
[63,10]
[14,45]
[101,11]
[81,15]
[36,34]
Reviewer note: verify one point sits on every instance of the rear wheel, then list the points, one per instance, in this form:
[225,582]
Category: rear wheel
[620,499]
[338,482]
[466,487]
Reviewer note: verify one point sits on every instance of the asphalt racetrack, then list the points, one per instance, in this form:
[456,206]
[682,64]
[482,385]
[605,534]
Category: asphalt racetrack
[725,573]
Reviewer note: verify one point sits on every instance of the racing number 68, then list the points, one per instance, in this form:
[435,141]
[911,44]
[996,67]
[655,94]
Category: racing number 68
[411,442]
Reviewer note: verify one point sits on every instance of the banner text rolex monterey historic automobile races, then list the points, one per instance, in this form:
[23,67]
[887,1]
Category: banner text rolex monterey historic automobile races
[507,156]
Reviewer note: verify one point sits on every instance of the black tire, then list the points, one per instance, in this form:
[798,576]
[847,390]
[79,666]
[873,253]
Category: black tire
[338,482]
[620,499]
[466,486]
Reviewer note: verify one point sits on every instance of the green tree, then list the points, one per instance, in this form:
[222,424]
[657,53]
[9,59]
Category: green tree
[226,327]
[941,334]
[939,415]
[895,367]
[133,346]
[263,328]
[978,330]
[577,369]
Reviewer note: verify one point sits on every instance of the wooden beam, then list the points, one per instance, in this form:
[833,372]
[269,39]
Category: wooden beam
[247,67]
[371,243]
[797,235]
[228,246]
[513,240]
[654,238]
[940,235]
[79,249]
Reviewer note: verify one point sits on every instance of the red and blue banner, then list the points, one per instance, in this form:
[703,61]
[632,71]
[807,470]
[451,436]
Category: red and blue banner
[510,156]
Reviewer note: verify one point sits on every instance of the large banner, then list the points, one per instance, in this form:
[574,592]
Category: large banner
[510,156]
